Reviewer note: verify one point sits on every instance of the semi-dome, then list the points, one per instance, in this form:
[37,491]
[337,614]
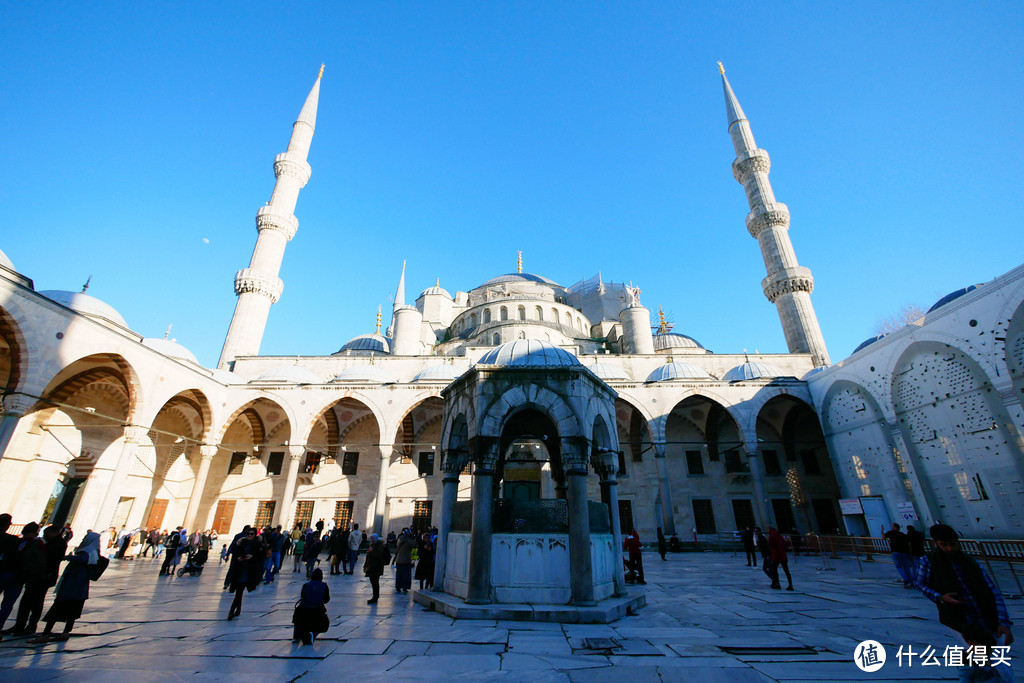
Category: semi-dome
[752,370]
[608,371]
[295,374]
[953,295]
[365,373]
[529,352]
[171,349]
[442,372]
[671,371]
[518,277]
[673,340]
[86,305]
[436,290]
[375,342]
[6,262]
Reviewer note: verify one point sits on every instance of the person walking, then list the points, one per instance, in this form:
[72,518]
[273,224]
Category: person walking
[777,548]
[425,565]
[747,537]
[355,539]
[247,557]
[633,546]
[377,557]
[310,617]
[31,607]
[662,544]
[761,542]
[899,546]
[339,550]
[171,545]
[10,568]
[916,541]
[403,562]
[73,590]
[311,553]
[31,573]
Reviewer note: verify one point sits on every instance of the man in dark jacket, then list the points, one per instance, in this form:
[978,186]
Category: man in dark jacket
[10,565]
[34,576]
[899,545]
[377,558]
[171,545]
[748,546]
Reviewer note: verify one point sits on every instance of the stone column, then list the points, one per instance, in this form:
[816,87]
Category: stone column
[480,537]
[610,497]
[668,521]
[757,477]
[133,436]
[206,454]
[449,493]
[284,515]
[381,507]
[581,569]
[15,407]
[922,495]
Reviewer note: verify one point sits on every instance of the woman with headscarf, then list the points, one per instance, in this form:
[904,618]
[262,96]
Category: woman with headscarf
[73,590]
[244,572]
[310,616]
[377,558]
[425,566]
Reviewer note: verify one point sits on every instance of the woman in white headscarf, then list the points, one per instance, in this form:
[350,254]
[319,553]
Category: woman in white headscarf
[73,590]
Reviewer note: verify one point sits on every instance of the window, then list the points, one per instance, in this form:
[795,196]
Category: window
[540,313]
[743,513]
[625,516]
[472,319]
[703,516]
[694,463]
[303,513]
[568,320]
[622,465]
[771,463]
[810,459]
[426,464]
[350,463]
[343,513]
[554,315]
[312,463]
[783,511]
[522,312]
[237,462]
[504,313]
[496,339]
[421,513]
[487,315]
[265,513]
[734,463]
[274,463]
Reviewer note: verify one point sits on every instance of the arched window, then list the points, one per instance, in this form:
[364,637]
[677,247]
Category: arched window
[472,320]
[496,339]
[504,313]
[522,335]
[568,320]
[579,324]
[487,315]
[554,315]
[540,313]
[522,312]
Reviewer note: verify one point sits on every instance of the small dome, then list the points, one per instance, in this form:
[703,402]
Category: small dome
[518,277]
[170,349]
[295,374]
[365,373]
[671,371]
[376,342]
[813,371]
[608,371]
[226,377]
[671,340]
[951,296]
[529,353]
[86,305]
[435,291]
[6,262]
[752,370]
[442,372]
[868,342]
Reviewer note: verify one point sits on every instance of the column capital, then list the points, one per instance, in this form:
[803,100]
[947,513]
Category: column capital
[134,434]
[659,449]
[207,451]
[296,452]
[575,450]
[453,461]
[17,404]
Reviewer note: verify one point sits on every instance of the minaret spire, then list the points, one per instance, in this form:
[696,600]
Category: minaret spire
[259,286]
[400,292]
[788,284]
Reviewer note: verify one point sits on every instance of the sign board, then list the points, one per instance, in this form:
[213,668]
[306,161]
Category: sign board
[906,512]
[850,506]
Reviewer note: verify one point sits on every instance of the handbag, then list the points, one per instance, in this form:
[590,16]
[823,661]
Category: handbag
[96,570]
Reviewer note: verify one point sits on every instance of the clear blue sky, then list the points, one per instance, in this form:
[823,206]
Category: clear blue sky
[139,142]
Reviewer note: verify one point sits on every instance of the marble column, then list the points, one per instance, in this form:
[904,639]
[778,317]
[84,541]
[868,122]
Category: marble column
[668,522]
[285,514]
[206,455]
[606,469]
[380,509]
[581,570]
[760,501]
[15,407]
[133,436]
[480,538]
[449,493]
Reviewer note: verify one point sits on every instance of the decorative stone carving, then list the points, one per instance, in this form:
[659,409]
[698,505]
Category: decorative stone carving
[787,282]
[294,168]
[208,451]
[17,404]
[248,280]
[775,216]
[575,452]
[296,452]
[134,434]
[266,219]
[753,161]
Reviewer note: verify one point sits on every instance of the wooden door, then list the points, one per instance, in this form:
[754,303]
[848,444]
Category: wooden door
[223,516]
[156,514]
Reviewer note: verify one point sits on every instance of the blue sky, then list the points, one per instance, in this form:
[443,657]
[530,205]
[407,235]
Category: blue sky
[139,142]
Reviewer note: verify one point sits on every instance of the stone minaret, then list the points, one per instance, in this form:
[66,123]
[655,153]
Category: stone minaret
[258,286]
[788,284]
[406,322]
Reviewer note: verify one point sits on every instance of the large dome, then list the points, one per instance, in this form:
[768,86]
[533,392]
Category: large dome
[752,370]
[672,340]
[671,371]
[518,277]
[374,343]
[169,348]
[529,353]
[86,305]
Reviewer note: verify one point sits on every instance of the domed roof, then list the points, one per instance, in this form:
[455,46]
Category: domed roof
[867,342]
[673,340]
[367,342]
[529,353]
[289,373]
[442,372]
[608,371]
[365,373]
[752,370]
[435,290]
[518,277]
[671,371]
[169,348]
[6,262]
[953,295]
[226,377]
[85,304]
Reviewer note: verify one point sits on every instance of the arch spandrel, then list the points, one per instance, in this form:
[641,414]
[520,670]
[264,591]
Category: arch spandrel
[13,323]
[269,405]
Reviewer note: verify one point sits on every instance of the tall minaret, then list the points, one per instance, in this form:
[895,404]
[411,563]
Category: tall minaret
[788,284]
[258,286]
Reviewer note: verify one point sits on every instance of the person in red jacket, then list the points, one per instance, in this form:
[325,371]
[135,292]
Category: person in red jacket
[636,559]
[777,546]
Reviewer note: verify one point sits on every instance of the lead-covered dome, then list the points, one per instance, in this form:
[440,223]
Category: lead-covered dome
[169,348]
[365,373]
[673,340]
[366,343]
[752,370]
[673,371]
[608,371]
[442,372]
[519,277]
[952,296]
[293,374]
[529,353]
[436,290]
[86,305]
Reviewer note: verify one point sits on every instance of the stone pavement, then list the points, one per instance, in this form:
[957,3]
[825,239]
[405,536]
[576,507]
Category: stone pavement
[708,618]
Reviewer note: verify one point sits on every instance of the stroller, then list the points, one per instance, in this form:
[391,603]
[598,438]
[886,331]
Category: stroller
[194,564]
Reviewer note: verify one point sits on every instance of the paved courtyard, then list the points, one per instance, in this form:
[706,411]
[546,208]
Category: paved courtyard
[708,618]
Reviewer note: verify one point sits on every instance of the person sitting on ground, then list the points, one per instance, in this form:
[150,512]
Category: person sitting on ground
[310,617]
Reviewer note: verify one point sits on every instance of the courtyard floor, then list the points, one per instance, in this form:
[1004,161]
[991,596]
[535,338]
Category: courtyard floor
[708,618]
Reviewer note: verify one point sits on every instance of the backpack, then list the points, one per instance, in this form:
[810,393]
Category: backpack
[96,570]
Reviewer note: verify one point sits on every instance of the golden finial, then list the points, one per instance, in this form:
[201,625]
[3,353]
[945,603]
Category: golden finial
[721,69]
[519,262]
[438,283]
[663,326]
[321,74]
[378,319]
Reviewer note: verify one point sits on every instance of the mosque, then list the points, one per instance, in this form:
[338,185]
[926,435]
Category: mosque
[521,388]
